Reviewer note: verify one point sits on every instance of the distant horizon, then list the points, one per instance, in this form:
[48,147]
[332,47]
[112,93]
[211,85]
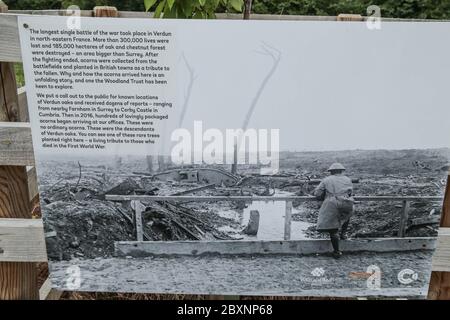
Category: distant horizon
[52,156]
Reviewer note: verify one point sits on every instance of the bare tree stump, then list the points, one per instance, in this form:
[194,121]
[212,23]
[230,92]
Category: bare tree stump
[253,224]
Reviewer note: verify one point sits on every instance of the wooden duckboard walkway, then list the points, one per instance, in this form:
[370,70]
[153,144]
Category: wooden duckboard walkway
[239,247]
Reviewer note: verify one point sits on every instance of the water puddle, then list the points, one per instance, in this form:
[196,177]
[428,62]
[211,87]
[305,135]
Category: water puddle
[271,221]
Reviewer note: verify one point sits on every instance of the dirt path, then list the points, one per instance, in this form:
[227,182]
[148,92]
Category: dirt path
[246,275]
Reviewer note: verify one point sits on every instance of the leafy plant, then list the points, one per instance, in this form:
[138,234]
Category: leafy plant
[195,9]
[422,9]
[20,79]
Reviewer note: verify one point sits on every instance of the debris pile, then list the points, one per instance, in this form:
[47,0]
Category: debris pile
[81,224]
[169,221]
[84,229]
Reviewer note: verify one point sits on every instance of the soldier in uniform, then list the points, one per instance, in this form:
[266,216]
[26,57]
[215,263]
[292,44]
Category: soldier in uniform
[336,192]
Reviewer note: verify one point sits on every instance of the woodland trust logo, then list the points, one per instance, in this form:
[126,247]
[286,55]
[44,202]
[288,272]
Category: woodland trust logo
[318,277]
[213,146]
[318,272]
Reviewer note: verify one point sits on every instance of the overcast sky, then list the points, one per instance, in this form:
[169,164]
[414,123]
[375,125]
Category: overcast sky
[337,86]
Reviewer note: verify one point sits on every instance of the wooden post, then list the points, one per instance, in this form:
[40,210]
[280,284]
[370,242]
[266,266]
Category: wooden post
[235,160]
[105,11]
[138,209]
[440,281]
[18,280]
[403,219]
[287,221]
[247,9]
[9,106]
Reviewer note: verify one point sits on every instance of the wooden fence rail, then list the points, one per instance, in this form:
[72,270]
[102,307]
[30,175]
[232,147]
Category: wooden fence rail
[137,199]
[22,238]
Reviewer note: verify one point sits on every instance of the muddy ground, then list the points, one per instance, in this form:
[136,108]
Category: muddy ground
[251,275]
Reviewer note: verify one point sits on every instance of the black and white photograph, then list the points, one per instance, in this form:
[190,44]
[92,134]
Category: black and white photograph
[334,241]
[213,157]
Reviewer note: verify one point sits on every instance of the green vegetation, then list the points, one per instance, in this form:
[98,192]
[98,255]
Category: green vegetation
[196,9]
[422,9]
[20,80]
[418,9]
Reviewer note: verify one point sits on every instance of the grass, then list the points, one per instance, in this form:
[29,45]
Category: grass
[20,79]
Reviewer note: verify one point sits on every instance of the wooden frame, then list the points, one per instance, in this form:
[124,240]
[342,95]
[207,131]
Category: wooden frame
[137,206]
[22,239]
[236,247]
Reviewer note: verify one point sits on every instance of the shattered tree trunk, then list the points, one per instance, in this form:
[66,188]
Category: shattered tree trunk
[161,163]
[150,163]
[235,160]
[253,224]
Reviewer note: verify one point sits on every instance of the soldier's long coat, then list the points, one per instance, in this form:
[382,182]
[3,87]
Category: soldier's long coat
[337,206]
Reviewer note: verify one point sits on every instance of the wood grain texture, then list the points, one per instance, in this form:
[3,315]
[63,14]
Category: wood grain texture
[22,240]
[441,257]
[349,17]
[439,286]
[18,280]
[9,104]
[105,12]
[46,292]
[16,147]
[9,39]
[440,280]
[14,198]
[33,189]
[23,105]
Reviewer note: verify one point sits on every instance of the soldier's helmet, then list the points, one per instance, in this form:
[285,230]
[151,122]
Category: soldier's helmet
[336,166]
